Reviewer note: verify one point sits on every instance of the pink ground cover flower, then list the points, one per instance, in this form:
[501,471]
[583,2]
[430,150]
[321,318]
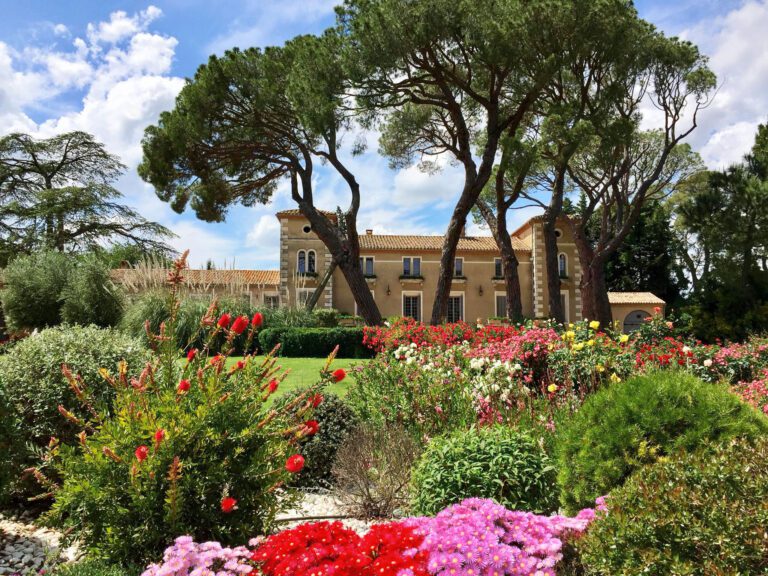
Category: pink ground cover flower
[188,558]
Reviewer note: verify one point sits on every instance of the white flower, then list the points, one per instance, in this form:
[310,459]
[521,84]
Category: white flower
[686,349]
[708,363]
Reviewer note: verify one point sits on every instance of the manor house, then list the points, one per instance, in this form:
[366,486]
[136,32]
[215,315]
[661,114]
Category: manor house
[401,272]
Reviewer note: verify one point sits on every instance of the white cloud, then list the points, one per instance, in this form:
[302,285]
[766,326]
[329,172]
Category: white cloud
[122,26]
[265,235]
[203,244]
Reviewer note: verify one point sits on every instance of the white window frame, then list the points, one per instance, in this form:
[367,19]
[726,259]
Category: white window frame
[567,303]
[496,295]
[357,311]
[418,293]
[299,291]
[456,260]
[501,268]
[411,260]
[270,295]
[463,305]
[312,269]
[373,265]
[562,272]
[299,254]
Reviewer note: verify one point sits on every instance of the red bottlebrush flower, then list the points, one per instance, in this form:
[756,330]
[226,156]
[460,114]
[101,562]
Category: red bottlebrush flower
[339,375]
[240,365]
[240,324]
[191,354]
[295,464]
[224,320]
[159,436]
[141,453]
[311,427]
[228,504]
[183,386]
[272,386]
[317,399]
[257,320]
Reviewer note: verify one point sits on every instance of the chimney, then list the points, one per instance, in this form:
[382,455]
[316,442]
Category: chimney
[369,232]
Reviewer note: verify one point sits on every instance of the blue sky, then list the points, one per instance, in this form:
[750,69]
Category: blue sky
[110,67]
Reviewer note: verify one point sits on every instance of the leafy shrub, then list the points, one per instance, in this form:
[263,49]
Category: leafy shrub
[93,567]
[90,296]
[32,379]
[494,462]
[33,286]
[336,421]
[626,425]
[191,448]
[372,471]
[11,448]
[326,317]
[693,514]
[315,342]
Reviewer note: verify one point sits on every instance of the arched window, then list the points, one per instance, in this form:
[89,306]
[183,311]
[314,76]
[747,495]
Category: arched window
[311,262]
[302,262]
[562,265]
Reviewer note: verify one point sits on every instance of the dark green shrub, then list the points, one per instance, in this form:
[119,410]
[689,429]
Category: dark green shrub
[326,317]
[495,462]
[90,296]
[336,421]
[94,568]
[315,342]
[33,286]
[32,380]
[629,424]
[190,448]
[690,515]
[12,448]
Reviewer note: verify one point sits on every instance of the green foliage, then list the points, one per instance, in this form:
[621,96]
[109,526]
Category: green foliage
[90,296]
[164,459]
[627,425]
[315,342]
[326,317]
[12,448]
[495,462]
[32,379]
[689,515]
[336,421]
[91,567]
[33,286]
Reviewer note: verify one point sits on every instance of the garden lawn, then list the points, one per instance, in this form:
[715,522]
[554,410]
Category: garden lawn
[306,371]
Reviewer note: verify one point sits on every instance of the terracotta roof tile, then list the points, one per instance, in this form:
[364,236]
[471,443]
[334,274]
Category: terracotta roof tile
[296,213]
[634,298]
[386,242]
[192,276]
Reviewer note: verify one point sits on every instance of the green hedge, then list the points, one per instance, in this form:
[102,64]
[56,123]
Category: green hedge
[315,342]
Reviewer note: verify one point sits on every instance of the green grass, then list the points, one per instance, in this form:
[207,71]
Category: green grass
[306,371]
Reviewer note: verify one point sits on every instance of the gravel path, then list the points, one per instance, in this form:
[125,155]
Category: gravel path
[25,547]
[313,505]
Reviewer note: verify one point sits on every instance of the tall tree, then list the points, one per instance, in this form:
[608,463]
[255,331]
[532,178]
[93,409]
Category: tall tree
[59,193]
[251,119]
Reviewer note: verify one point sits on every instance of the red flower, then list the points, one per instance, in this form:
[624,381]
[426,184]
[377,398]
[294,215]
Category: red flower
[339,375]
[295,463]
[272,386]
[142,452]
[224,320]
[240,324]
[240,365]
[257,320]
[317,399]
[159,436]
[311,427]
[191,354]
[228,504]
[183,386]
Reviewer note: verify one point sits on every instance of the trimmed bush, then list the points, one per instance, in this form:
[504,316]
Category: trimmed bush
[694,515]
[315,342]
[33,286]
[629,424]
[94,568]
[90,296]
[336,421]
[33,382]
[495,462]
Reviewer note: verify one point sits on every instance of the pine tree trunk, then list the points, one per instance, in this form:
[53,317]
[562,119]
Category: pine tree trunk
[313,300]
[556,311]
[366,305]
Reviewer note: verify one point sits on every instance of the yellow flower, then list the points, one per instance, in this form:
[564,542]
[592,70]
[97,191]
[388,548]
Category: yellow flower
[600,368]
[624,338]
[590,342]
[552,388]
[615,378]
[570,325]
[578,346]
[594,324]
[570,335]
